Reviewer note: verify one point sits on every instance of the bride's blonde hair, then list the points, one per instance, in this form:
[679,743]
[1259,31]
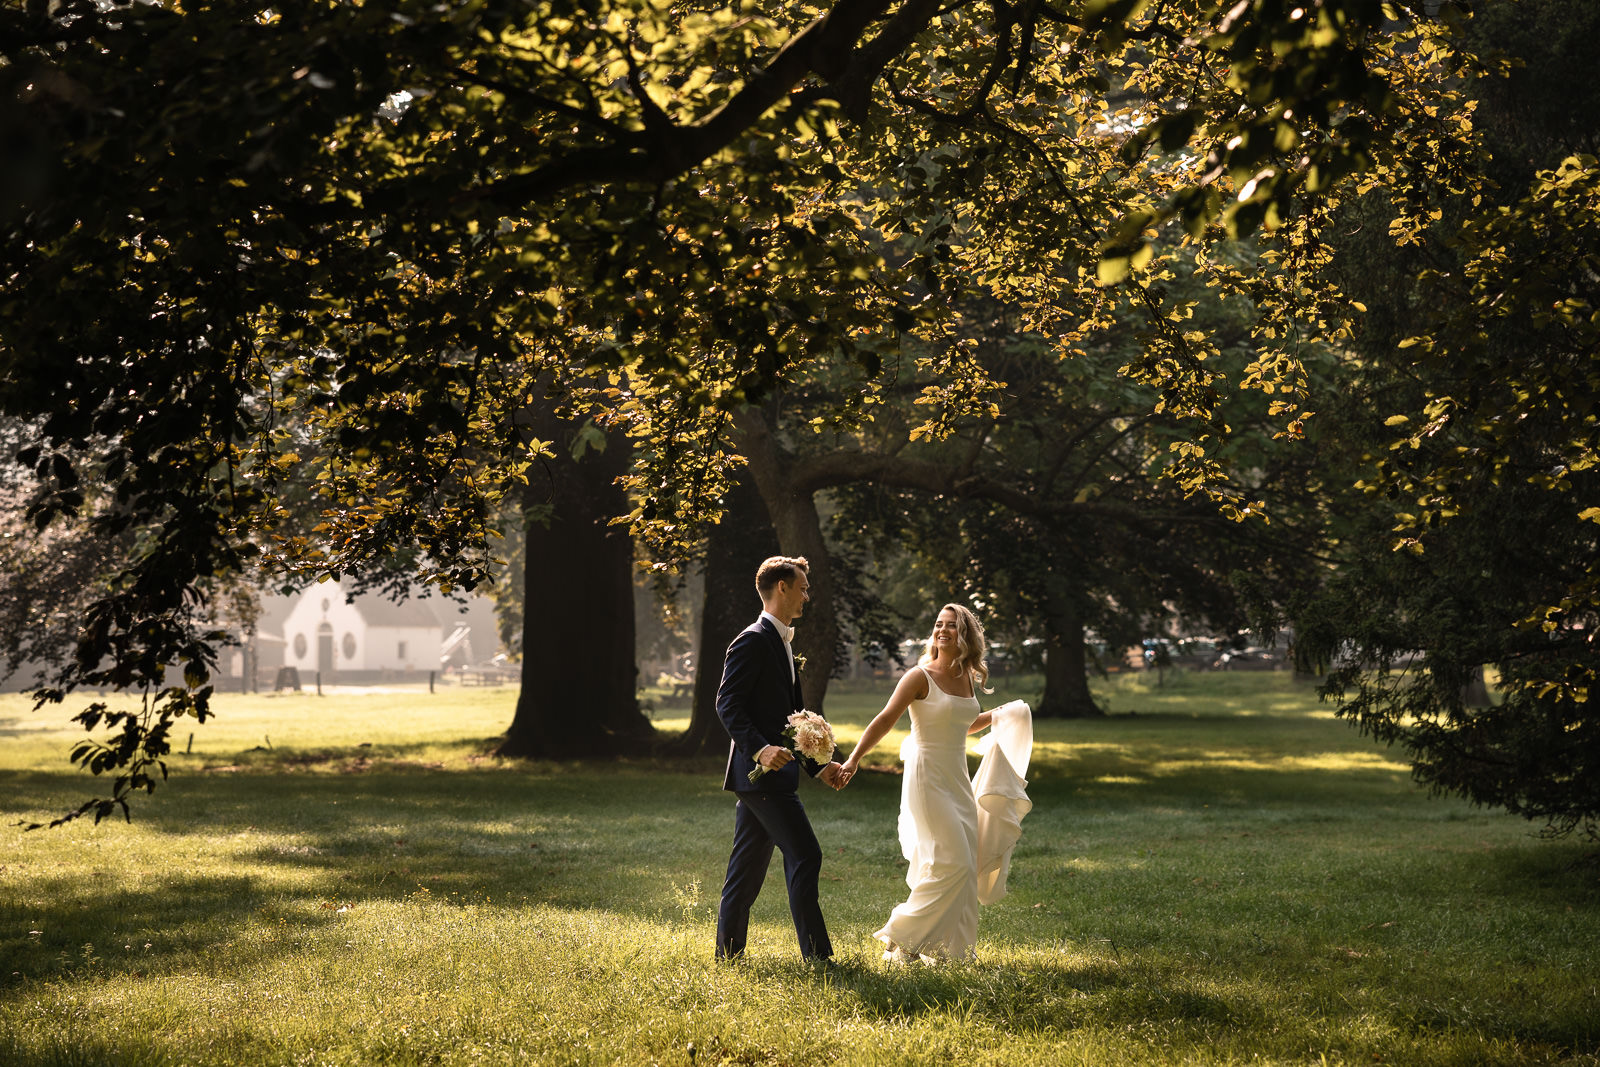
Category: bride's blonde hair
[970,647]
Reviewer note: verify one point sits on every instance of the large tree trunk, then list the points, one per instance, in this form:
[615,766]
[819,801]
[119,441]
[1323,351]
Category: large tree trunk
[1066,676]
[579,680]
[730,605]
[799,530]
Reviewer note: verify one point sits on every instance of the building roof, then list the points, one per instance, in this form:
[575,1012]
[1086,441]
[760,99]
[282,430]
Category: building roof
[377,610]
[275,608]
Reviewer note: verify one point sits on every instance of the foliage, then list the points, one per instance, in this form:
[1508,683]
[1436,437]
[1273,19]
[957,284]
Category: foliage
[1469,425]
[1057,516]
[351,246]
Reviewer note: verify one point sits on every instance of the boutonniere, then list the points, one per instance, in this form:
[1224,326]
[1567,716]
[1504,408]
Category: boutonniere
[799,662]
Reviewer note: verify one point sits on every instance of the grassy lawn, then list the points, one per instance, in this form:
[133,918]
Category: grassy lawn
[1218,873]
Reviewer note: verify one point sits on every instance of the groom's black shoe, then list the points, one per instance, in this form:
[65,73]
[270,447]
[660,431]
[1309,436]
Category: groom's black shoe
[825,966]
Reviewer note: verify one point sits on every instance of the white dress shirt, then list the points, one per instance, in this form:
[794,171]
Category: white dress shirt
[786,632]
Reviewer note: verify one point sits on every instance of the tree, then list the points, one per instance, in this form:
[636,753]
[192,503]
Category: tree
[1057,517]
[400,223]
[733,551]
[1467,422]
[579,694]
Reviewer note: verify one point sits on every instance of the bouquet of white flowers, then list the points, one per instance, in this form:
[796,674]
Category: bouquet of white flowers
[812,738]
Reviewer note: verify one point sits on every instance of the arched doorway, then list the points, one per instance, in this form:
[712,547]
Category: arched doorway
[325,651]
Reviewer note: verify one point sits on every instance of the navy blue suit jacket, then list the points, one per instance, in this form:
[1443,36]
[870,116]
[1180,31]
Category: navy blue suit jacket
[754,702]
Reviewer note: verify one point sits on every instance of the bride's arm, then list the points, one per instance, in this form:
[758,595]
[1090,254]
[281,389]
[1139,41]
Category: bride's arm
[912,686]
[981,722]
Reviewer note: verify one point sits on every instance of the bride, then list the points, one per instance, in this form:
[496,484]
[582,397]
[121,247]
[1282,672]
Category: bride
[956,833]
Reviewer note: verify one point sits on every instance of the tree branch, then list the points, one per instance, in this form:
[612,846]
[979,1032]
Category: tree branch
[827,48]
[576,114]
[811,473]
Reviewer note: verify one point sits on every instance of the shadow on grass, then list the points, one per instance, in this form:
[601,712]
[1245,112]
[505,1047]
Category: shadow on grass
[476,753]
[566,829]
[620,837]
[617,839]
[1566,871]
[1028,997]
[339,758]
[99,928]
[1191,1007]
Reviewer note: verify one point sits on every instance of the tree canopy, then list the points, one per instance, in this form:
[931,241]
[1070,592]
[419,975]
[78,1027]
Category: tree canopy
[353,248]
[1466,442]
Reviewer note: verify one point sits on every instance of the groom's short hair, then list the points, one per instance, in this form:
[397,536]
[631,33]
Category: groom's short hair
[775,569]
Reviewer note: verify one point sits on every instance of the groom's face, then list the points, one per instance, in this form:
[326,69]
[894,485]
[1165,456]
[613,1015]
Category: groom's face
[792,596]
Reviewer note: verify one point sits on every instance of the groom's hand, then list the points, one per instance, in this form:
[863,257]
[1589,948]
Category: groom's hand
[832,775]
[774,757]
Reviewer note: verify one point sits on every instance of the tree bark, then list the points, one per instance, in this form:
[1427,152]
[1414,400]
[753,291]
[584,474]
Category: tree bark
[730,605]
[579,679]
[799,529]
[1066,676]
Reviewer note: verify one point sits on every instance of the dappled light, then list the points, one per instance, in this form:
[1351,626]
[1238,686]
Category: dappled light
[1213,356]
[1184,884]
[1233,761]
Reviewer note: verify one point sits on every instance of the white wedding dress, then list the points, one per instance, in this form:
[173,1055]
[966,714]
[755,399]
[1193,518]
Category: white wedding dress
[957,833]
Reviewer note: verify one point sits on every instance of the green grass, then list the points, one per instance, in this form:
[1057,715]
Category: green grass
[1219,873]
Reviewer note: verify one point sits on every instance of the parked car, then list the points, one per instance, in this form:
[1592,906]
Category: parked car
[1021,658]
[1193,653]
[1250,658]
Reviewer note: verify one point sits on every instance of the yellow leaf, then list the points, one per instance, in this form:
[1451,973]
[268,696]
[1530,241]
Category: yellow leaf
[1112,271]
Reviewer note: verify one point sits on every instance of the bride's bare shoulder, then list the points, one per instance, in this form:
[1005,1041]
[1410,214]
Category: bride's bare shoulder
[915,682]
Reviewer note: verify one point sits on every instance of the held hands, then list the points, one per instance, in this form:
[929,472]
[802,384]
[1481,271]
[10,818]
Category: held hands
[775,757]
[832,775]
[846,772]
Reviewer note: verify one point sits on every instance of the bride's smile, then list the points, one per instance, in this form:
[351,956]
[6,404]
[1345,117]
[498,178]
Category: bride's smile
[945,628]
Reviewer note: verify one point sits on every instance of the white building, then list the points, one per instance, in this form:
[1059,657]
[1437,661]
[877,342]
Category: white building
[373,639]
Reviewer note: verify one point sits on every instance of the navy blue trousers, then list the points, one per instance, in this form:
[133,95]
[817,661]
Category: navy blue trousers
[762,822]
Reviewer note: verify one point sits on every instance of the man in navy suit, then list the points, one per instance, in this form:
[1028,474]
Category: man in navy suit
[760,689]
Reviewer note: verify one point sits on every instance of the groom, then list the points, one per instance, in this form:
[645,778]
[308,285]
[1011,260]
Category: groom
[760,690]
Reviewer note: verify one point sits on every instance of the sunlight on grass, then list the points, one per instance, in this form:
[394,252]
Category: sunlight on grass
[1194,885]
[399,724]
[1236,695]
[1326,761]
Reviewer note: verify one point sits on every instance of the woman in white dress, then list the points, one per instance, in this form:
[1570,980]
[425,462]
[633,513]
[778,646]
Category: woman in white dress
[956,838]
